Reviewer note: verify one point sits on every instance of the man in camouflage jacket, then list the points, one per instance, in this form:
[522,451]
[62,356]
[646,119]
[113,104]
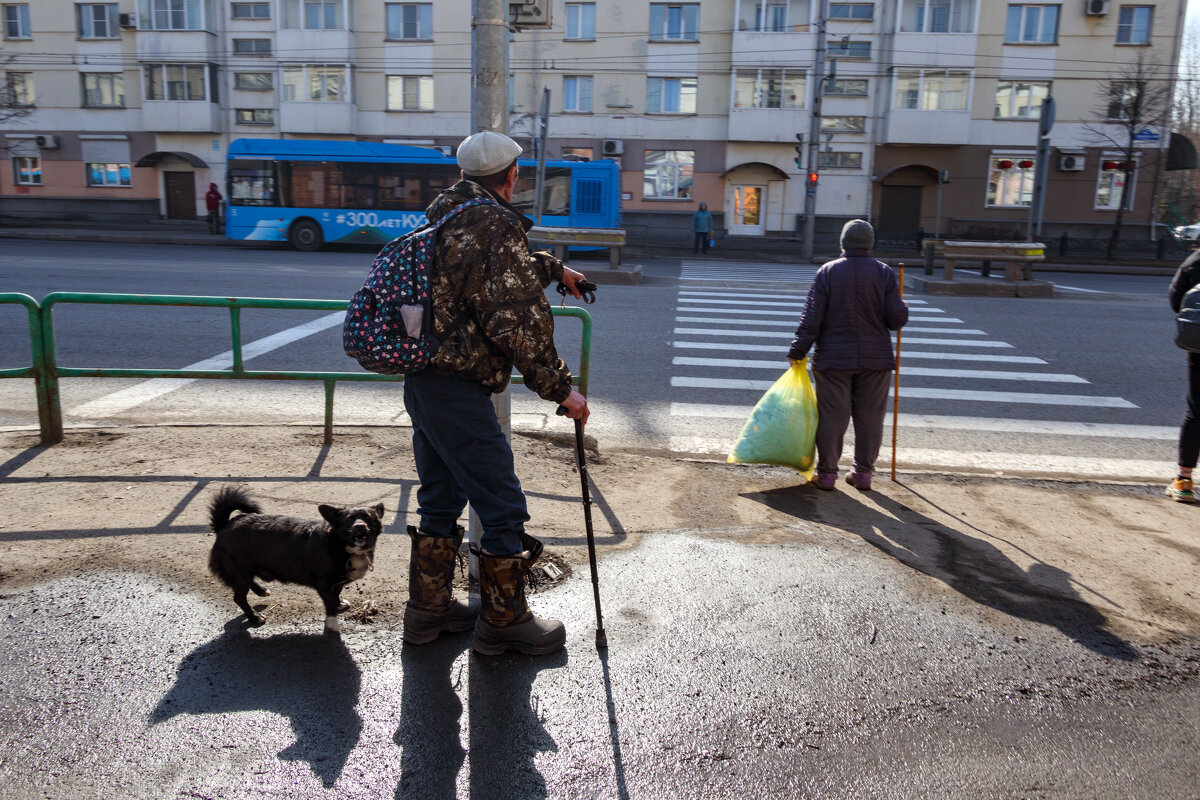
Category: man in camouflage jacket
[492,315]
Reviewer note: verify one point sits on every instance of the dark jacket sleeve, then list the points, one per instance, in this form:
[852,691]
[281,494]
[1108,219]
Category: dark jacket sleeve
[812,318]
[895,312]
[1187,276]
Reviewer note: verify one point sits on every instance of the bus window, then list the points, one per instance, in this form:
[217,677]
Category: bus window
[252,183]
[357,185]
[556,192]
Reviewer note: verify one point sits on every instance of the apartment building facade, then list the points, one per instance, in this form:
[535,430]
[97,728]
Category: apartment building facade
[928,108]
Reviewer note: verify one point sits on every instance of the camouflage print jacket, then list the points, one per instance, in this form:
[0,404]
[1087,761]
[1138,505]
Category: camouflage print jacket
[485,277]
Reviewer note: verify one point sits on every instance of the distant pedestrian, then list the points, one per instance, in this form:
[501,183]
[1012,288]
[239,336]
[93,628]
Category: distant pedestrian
[701,228]
[1181,489]
[212,201]
[851,308]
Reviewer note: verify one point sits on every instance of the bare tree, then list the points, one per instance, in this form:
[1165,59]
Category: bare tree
[1180,207]
[1138,96]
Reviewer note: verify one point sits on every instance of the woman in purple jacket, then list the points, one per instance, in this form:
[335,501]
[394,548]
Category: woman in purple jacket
[852,307]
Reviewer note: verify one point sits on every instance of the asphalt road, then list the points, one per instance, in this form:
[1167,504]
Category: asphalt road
[1085,382]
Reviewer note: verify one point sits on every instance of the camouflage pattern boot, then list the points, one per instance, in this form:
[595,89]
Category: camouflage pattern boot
[432,607]
[506,623]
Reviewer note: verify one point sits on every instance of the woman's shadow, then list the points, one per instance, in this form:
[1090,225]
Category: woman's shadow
[971,566]
[310,679]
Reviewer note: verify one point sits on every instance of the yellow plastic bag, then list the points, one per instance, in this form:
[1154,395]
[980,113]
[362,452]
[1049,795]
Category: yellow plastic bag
[782,429]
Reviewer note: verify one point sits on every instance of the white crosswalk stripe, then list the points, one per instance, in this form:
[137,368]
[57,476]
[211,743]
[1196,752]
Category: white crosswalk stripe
[728,311]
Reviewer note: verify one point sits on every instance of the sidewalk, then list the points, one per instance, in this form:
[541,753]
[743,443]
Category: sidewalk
[943,635]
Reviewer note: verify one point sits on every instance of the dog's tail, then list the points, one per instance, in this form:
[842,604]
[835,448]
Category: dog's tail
[228,500]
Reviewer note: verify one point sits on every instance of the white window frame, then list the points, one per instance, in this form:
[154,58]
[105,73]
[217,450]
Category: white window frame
[676,22]
[19,88]
[671,95]
[966,16]
[319,73]
[298,15]
[123,173]
[577,94]
[421,22]
[268,113]
[925,77]
[1128,91]
[761,93]
[841,159]
[1128,25]
[844,123]
[115,87]
[1019,89]
[172,77]
[415,92]
[581,22]
[851,8]
[849,51]
[668,173]
[16,21]
[1022,177]
[250,6]
[238,81]
[172,15]
[30,166]
[1022,16]
[1106,178]
[832,87]
[257,46]
[87,21]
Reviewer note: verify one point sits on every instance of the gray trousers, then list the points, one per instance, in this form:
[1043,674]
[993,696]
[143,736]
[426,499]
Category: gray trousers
[842,395]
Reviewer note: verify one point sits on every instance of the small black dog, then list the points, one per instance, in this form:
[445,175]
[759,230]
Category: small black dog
[322,555]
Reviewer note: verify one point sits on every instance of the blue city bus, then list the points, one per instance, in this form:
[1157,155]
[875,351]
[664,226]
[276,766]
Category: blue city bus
[309,192]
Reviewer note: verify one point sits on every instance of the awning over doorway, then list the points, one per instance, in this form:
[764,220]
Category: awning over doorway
[763,164]
[1181,153]
[928,170]
[154,159]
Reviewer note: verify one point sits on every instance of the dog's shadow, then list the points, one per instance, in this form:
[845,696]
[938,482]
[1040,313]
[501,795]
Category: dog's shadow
[310,679]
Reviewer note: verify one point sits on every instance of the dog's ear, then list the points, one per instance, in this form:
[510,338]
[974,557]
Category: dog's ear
[330,513]
[378,509]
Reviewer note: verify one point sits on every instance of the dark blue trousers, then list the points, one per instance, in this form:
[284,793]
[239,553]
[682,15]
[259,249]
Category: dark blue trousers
[462,456]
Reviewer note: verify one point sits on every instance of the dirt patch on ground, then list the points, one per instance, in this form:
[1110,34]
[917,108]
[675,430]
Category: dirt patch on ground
[136,499]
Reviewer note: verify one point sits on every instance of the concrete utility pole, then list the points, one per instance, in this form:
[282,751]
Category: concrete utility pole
[814,138]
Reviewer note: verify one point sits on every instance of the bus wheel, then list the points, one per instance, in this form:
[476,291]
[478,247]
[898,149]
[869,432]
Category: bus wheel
[306,235]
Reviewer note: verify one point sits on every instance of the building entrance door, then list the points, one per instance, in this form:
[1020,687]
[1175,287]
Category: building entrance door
[749,217]
[180,188]
[900,209]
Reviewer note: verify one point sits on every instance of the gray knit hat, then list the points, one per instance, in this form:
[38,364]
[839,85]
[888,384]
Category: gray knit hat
[857,234]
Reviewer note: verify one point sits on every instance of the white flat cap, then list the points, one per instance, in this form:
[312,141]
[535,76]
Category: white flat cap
[486,152]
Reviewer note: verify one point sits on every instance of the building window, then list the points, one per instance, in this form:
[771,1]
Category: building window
[252,47]
[27,171]
[841,159]
[316,83]
[775,16]
[254,81]
[250,10]
[19,86]
[410,93]
[844,124]
[1020,99]
[1110,183]
[938,16]
[1123,99]
[577,153]
[932,89]
[255,116]
[854,11]
[847,87]
[108,175]
[311,15]
[668,174]
[174,81]
[103,90]
[97,20]
[581,21]
[671,95]
[1010,180]
[16,21]
[410,20]
[174,15]
[1133,24]
[844,49]
[674,22]
[1031,25]
[577,93]
[769,88]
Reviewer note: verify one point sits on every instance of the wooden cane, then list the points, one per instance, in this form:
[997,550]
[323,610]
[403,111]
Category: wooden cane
[896,392]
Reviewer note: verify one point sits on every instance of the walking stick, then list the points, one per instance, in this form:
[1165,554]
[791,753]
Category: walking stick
[896,393]
[601,637]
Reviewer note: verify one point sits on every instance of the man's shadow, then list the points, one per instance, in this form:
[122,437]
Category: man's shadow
[429,734]
[310,679]
[971,566]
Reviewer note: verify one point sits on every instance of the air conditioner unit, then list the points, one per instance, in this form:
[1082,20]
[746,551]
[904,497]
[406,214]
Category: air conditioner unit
[1095,8]
[46,141]
[127,20]
[612,147]
[1071,163]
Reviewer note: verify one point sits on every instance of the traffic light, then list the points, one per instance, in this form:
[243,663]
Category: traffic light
[800,151]
[812,180]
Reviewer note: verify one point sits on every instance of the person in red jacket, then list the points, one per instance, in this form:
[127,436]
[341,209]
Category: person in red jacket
[212,201]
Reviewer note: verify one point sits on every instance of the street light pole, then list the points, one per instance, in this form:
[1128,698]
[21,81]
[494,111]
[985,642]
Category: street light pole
[814,138]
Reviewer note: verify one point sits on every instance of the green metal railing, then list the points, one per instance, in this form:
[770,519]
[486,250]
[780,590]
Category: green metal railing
[46,371]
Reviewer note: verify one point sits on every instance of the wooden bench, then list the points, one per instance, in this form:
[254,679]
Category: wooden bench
[562,238]
[1018,257]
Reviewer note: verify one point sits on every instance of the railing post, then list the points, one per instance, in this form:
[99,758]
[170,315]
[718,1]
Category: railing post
[329,386]
[235,328]
[49,401]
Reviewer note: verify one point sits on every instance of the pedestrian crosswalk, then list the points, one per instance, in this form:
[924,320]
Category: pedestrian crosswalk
[734,323]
